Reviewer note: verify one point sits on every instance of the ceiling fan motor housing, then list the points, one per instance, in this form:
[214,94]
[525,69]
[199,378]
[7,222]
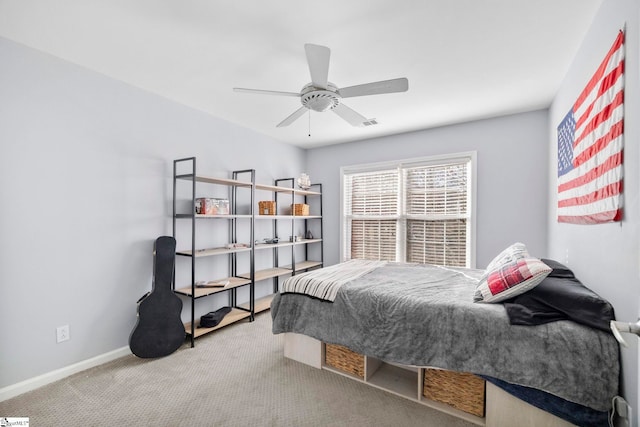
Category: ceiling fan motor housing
[320,99]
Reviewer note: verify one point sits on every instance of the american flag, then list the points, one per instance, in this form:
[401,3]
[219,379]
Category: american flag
[590,141]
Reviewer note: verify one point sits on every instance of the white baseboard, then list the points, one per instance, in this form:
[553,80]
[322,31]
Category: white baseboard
[44,379]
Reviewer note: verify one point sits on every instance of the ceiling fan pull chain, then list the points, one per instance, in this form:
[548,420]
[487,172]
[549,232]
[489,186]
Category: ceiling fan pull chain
[309,123]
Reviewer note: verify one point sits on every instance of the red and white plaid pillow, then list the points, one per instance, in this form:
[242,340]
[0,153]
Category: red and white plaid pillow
[509,277]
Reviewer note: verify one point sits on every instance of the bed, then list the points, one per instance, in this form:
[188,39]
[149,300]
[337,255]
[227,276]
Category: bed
[425,316]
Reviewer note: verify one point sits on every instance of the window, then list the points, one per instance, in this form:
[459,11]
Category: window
[413,211]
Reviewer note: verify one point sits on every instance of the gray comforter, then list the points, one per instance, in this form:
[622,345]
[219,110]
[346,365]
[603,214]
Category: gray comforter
[425,316]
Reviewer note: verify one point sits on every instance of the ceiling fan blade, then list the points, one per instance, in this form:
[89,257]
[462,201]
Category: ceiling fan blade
[293,117]
[265,92]
[318,60]
[375,88]
[354,118]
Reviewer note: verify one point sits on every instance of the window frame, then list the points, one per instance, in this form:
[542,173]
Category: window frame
[470,156]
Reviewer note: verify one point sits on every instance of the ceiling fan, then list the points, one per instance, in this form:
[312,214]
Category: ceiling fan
[322,95]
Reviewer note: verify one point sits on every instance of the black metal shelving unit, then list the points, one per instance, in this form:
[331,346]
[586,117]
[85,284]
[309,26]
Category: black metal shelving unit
[235,280]
[242,188]
[306,264]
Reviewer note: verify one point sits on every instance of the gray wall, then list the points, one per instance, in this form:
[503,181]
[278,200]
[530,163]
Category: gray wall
[605,257]
[512,164]
[86,181]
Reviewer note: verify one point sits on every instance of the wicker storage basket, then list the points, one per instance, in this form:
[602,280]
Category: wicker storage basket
[267,207]
[300,209]
[345,360]
[461,390]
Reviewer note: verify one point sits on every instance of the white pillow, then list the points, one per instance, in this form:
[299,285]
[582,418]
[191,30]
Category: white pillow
[516,250]
[510,278]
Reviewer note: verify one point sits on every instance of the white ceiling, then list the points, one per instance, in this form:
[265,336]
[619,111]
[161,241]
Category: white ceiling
[465,59]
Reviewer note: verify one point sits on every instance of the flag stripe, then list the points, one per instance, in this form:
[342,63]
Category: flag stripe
[611,148]
[599,118]
[600,132]
[602,193]
[590,146]
[608,216]
[597,178]
[607,141]
[617,46]
[602,205]
[608,83]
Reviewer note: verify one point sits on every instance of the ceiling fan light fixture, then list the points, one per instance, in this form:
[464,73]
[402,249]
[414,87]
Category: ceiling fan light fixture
[320,100]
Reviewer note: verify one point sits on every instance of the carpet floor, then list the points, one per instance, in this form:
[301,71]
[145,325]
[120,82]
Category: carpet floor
[236,376]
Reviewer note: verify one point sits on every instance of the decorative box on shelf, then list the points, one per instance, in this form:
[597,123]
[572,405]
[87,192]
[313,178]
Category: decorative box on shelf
[267,207]
[211,206]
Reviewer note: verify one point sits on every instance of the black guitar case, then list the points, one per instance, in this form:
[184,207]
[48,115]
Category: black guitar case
[159,330]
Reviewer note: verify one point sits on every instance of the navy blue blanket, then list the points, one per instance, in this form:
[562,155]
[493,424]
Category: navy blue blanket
[579,415]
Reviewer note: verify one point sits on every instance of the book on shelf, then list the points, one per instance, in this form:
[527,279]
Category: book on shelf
[212,284]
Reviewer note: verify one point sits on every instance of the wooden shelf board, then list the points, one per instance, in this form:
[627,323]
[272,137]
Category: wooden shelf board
[221,216]
[261,304]
[267,273]
[213,180]
[303,265]
[212,251]
[229,216]
[288,217]
[283,244]
[272,245]
[234,282]
[307,241]
[234,316]
[279,189]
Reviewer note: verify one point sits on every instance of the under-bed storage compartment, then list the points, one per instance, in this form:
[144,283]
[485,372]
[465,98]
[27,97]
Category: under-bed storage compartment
[345,360]
[459,394]
[399,379]
[461,390]
[499,407]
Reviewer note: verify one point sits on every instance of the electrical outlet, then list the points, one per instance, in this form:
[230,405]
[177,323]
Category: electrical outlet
[62,333]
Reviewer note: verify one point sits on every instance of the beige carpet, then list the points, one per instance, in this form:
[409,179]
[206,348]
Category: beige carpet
[236,376]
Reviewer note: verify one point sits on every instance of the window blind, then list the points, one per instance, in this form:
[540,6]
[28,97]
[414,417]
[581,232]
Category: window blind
[437,242]
[372,239]
[436,199]
[412,212]
[372,208]
[437,190]
[373,193]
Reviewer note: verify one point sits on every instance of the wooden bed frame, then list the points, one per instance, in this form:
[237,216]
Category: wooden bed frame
[501,408]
